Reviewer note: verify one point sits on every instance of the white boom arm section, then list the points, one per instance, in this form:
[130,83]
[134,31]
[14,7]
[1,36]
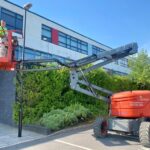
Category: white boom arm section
[78,78]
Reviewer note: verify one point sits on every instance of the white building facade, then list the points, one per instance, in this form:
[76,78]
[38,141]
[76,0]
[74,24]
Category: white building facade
[48,39]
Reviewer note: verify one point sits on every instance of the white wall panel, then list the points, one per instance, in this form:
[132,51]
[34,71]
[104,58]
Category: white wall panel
[11,7]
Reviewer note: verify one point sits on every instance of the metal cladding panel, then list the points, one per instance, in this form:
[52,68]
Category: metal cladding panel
[124,125]
[7,96]
[11,7]
[55,36]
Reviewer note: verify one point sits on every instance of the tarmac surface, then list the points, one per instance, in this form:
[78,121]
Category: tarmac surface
[80,138]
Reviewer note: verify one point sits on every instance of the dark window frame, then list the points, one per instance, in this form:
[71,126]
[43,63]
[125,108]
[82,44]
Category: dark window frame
[36,53]
[49,30]
[124,62]
[69,43]
[96,50]
[17,18]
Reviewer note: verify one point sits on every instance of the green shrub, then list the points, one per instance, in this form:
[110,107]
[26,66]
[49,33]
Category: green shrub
[53,120]
[79,111]
[70,119]
[49,90]
[57,119]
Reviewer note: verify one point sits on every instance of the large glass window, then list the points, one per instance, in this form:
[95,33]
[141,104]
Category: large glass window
[46,33]
[72,43]
[13,20]
[96,50]
[31,54]
[63,39]
[124,62]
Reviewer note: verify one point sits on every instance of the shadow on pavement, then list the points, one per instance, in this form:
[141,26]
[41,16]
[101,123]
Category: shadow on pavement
[117,140]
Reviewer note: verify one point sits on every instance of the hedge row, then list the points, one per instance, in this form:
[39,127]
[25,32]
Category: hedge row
[47,91]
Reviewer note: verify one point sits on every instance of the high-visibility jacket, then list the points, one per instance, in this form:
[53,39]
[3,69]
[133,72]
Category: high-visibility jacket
[3,31]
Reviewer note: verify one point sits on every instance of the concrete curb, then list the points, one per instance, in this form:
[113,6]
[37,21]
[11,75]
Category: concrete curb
[46,131]
[37,129]
[80,127]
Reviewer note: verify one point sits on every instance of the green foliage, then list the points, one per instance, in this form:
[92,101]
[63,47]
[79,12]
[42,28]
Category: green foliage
[79,111]
[140,66]
[48,92]
[57,119]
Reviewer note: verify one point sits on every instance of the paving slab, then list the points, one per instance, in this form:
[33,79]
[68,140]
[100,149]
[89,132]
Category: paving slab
[9,136]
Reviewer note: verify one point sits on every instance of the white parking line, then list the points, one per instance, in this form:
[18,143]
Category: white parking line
[74,145]
[144,148]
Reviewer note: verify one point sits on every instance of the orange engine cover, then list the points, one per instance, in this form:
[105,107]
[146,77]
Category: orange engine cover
[131,104]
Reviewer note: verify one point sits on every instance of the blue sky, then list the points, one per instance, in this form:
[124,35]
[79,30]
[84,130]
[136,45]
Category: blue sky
[111,22]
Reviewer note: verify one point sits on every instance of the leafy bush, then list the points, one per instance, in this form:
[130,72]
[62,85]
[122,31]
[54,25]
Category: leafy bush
[47,91]
[53,120]
[140,69]
[57,119]
[79,111]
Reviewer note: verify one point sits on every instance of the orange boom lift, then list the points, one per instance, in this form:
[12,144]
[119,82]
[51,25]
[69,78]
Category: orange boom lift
[129,112]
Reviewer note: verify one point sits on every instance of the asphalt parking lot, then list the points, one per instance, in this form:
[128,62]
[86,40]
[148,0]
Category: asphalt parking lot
[80,139]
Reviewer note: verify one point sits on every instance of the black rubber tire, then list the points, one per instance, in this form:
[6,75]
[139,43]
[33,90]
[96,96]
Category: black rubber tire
[144,134]
[100,128]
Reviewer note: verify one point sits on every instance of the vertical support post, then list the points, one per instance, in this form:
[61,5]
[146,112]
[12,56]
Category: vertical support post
[24,35]
[21,83]
[20,73]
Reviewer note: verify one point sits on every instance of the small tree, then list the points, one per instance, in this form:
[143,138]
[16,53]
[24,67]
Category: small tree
[140,69]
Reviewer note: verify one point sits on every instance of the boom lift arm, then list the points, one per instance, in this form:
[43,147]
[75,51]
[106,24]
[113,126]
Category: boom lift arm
[78,78]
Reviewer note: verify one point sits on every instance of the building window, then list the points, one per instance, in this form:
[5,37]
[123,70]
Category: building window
[116,62]
[124,62]
[63,40]
[72,43]
[13,20]
[31,54]
[97,50]
[46,33]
